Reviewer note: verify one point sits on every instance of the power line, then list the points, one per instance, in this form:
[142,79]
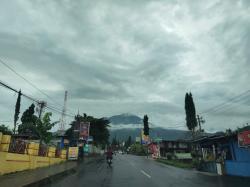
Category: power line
[30,83]
[32,99]
[236,98]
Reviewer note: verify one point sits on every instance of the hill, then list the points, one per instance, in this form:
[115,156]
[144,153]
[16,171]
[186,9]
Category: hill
[166,134]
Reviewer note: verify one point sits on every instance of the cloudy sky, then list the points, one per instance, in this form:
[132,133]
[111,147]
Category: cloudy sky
[137,57]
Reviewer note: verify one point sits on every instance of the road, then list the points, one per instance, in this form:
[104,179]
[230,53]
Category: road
[135,171]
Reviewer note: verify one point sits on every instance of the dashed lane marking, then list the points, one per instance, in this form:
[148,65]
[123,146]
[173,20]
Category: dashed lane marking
[144,173]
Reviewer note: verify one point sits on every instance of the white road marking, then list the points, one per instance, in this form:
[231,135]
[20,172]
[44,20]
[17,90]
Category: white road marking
[144,173]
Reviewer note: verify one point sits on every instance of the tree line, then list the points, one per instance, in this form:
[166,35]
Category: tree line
[34,126]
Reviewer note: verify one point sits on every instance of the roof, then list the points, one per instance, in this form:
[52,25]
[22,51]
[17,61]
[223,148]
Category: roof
[214,138]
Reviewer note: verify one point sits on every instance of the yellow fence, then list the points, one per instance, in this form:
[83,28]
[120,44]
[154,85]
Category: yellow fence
[12,162]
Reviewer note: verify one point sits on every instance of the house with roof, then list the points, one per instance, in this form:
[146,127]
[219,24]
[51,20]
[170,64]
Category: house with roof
[224,153]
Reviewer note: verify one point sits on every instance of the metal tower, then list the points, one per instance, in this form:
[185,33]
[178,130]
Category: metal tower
[62,121]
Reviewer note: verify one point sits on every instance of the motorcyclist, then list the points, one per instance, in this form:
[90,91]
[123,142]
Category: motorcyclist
[109,154]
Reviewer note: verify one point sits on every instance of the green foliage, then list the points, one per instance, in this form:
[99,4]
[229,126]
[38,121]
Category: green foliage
[191,120]
[5,130]
[17,110]
[98,129]
[43,127]
[29,121]
[177,163]
[138,149]
[245,128]
[34,127]
[128,142]
[114,141]
[146,127]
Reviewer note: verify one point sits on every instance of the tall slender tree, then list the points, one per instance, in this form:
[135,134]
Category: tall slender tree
[146,127]
[191,120]
[17,110]
[128,142]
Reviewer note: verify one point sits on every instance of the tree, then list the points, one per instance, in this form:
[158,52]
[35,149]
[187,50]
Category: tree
[114,141]
[17,110]
[43,127]
[98,129]
[128,143]
[35,127]
[5,130]
[146,127]
[29,122]
[191,120]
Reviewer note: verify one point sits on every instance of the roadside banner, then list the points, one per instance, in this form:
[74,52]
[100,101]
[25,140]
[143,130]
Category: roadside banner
[244,138]
[73,153]
[144,138]
[84,130]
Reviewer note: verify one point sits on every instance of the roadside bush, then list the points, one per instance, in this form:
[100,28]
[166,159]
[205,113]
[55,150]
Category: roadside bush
[169,156]
[138,149]
[197,163]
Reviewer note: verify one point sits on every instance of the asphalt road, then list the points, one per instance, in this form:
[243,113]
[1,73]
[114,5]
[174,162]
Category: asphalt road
[134,171]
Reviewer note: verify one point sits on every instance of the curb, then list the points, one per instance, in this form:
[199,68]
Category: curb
[52,178]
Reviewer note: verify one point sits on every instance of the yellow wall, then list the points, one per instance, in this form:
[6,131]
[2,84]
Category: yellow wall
[11,162]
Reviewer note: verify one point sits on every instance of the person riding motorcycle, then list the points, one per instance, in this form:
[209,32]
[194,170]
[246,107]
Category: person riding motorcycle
[109,155]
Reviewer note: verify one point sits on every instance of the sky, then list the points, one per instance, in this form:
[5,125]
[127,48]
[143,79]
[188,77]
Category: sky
[137,57]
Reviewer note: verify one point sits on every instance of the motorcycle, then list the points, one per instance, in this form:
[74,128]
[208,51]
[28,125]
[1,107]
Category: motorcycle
[109,161]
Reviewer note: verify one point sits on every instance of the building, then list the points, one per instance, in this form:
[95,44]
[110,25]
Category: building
[224,154]
[174,146]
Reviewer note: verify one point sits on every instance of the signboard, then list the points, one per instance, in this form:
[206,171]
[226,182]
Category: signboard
[86,148]
[90,139]
[244,138]
[73,153]
[84,130]
[144,138]
[154,150]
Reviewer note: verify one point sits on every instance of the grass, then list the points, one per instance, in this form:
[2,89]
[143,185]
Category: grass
[176,163]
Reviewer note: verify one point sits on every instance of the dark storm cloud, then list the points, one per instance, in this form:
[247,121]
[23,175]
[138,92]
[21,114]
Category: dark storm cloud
[130,56]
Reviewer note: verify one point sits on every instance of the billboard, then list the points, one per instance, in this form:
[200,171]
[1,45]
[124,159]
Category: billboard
[144,138]
[244,138]
[84,130]
[73,153]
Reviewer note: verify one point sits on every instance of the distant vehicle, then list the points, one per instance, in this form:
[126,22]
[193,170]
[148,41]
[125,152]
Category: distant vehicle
[120,152]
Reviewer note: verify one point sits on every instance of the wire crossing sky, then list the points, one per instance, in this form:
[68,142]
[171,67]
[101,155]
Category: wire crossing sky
[139,57]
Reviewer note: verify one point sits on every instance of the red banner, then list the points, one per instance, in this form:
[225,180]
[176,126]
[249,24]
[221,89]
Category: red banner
[244,138]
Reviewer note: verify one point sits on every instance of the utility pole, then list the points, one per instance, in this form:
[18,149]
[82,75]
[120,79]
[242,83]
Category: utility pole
[41,105]
[200,121]
[63,122]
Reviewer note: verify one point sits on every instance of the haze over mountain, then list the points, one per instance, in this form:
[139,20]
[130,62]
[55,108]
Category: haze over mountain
[124,125]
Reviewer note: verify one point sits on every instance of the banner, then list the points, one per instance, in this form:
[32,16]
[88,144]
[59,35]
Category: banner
[73,153]
[244,138]
[84,130]
[144,138]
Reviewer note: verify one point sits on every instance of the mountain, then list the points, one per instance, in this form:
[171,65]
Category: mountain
[124,125]
[125,119]
[166,134]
